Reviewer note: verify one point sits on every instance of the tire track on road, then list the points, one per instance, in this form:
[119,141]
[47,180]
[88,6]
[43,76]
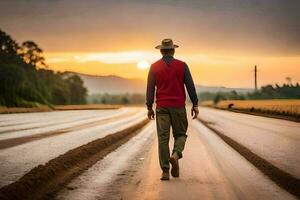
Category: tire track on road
[11,142]
[280,177]
[45,123]
[44,181]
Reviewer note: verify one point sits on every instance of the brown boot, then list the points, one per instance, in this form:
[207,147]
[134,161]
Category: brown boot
[165,175]
[175,165]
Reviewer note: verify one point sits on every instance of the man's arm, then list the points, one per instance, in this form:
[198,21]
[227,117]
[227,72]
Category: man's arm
[150,93]
[190,86]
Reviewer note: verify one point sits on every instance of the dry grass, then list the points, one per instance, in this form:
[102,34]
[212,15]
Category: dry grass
[44,108]
[281,107]
[207,103]
[86,107]
[5,110]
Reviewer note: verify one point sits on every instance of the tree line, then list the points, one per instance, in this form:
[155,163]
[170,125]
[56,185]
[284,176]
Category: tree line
[285,91]
[116,98]
[26,80]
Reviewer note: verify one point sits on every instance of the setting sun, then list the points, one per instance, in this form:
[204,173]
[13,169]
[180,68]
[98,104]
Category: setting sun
[143,65]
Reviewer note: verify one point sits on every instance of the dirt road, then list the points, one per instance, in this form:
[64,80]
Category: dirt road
[278,141]
[210,170]
[18,160]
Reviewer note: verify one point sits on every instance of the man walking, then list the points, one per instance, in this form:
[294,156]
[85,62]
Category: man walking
[169,75]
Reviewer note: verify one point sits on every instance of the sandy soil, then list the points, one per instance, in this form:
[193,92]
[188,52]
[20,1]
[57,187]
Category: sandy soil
[210,169]
[87,107]
[103,180]
[10,142]
[5,110]
[18,160]
[275,140]
[44,180]
[30,123]
[45,108]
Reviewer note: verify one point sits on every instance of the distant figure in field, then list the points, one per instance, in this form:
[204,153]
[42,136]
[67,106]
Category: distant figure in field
[169,75]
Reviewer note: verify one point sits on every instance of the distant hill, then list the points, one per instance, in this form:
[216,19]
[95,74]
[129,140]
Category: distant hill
[212,89]
[116,85]
[111,84]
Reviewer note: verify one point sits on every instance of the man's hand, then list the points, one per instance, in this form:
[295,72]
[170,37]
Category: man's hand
[195,112]
[150,114]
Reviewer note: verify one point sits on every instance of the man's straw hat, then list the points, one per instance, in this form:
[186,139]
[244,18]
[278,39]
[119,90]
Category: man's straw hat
[166,44]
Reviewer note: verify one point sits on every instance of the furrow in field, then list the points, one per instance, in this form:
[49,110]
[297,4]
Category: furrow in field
[100,177]
[16,161]
[60,125]
[19,118]
[44,180]
[277,141]
[280,177]
[11,142]
[55,119]
[209,169]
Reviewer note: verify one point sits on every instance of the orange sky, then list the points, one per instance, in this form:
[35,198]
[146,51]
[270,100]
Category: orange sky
[221,41]
[207,70]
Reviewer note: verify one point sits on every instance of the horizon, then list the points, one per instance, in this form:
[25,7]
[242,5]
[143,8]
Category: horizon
[139,79]
[221,45]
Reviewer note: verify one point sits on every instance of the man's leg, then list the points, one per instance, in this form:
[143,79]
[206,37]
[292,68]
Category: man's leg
[163,123]
[179,126]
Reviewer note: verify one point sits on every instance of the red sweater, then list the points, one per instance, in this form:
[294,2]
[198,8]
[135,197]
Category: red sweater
[169,81]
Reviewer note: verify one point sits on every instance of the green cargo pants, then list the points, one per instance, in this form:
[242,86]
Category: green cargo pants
[177,119]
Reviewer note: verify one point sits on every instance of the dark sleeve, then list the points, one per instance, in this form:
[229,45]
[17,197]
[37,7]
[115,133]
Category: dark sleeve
[190,86]
[150,89]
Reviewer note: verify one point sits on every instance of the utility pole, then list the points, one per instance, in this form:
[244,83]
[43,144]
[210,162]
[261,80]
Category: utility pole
[255,77]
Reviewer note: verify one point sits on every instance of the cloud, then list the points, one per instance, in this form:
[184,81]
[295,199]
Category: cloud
[210,26]
[118,57]
[103,57]
[134,57]
[58,60]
